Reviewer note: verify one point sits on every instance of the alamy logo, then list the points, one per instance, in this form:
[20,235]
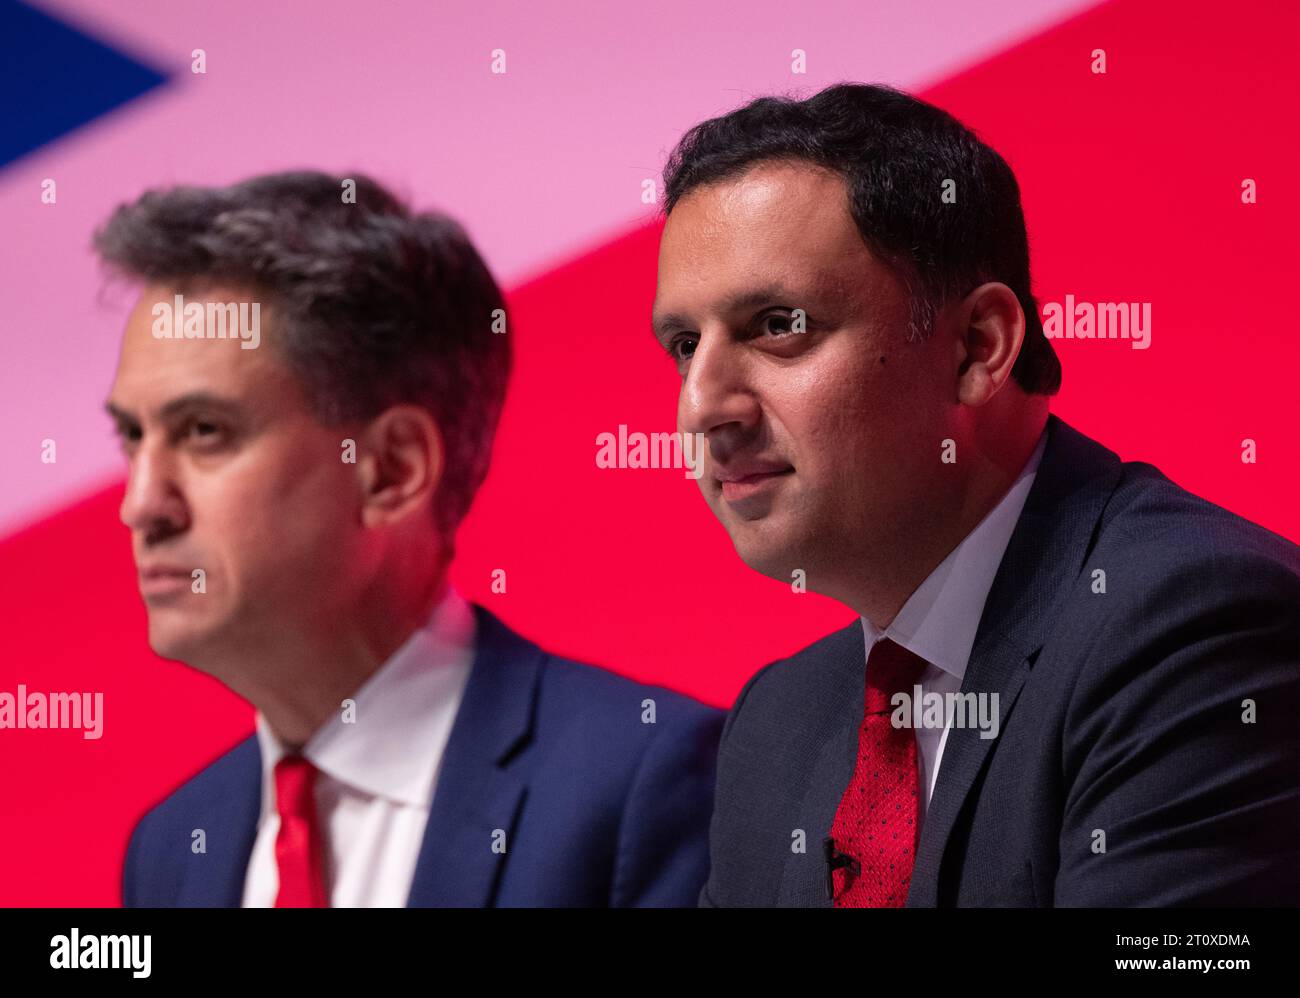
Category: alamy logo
[941,710]
[77,952]
[182,320]
[650,450]
[1104,320]
[84,711]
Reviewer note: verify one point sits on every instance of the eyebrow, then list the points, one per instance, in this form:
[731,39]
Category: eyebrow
[660,324]
[191,400]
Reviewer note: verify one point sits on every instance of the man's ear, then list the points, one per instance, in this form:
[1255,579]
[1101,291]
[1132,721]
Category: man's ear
[400,464]
[991,328]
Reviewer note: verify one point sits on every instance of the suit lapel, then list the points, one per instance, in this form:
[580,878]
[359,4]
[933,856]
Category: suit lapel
[1043,558]
[478,798]
[836,710]
[233,804]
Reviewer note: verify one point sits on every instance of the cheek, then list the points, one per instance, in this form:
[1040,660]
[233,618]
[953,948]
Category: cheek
[278,512]
[824,411]
[314,505]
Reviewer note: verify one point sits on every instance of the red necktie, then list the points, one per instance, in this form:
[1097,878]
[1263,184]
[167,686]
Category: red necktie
[299,855]
[876,821]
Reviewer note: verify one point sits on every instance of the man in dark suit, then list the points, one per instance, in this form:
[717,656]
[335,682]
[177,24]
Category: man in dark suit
[583,807]
[293,495]
[1072,682]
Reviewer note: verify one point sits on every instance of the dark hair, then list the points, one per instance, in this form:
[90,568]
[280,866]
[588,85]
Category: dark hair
[374,306]
[894,153]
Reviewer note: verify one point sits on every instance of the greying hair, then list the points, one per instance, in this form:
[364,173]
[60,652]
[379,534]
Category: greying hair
[374,306]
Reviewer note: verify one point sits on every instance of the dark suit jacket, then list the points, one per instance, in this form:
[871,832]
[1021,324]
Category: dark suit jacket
[1120,713]
[598,808]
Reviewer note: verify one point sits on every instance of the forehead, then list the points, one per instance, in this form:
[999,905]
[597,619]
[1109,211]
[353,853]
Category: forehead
[152,369]
[778,222]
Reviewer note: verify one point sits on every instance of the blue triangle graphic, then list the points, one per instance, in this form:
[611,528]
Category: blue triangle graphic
[54,79]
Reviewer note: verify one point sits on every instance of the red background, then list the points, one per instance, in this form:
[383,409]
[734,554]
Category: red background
[1131,183]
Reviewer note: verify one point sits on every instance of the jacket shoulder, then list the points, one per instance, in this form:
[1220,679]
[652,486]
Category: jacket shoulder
[1163,556]
[808,684]
[215,782]
[1147,511]
[160,841]
[607,692]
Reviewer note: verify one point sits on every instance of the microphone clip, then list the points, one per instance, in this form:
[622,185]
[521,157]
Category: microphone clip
[836,860]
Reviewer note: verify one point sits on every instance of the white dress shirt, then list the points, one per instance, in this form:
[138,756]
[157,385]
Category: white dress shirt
[939,620]
[376,776]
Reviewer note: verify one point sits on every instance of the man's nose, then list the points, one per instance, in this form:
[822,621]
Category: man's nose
[153,502]
[716,396]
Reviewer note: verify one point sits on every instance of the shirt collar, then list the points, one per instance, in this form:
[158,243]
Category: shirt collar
[410,699]
[939,620]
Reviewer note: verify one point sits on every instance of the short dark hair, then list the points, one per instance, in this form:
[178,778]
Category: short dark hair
[894,153]
[374,305]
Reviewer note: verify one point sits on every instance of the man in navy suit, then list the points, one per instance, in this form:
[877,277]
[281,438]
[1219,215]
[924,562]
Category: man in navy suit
[293,496]
[1072,682]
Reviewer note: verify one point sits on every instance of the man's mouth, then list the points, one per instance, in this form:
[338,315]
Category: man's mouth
[741,484]
[161,581]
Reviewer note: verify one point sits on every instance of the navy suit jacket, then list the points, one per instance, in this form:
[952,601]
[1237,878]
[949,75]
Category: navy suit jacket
[599,808]
[1126,771]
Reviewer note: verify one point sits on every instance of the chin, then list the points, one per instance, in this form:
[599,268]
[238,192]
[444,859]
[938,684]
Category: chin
[168,646]
[760,553]
[176,639]
[777,548]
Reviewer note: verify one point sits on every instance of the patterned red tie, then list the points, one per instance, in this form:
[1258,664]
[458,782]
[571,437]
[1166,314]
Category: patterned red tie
[298,851]
[876,821]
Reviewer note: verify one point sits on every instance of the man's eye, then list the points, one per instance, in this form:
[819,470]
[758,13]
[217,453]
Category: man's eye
[201,430]
[682,348]
[778,324]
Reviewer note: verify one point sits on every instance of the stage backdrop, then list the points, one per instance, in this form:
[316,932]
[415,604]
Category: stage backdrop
[1132,181]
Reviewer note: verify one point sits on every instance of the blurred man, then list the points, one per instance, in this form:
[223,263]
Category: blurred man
[307,393]
[1073,683]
